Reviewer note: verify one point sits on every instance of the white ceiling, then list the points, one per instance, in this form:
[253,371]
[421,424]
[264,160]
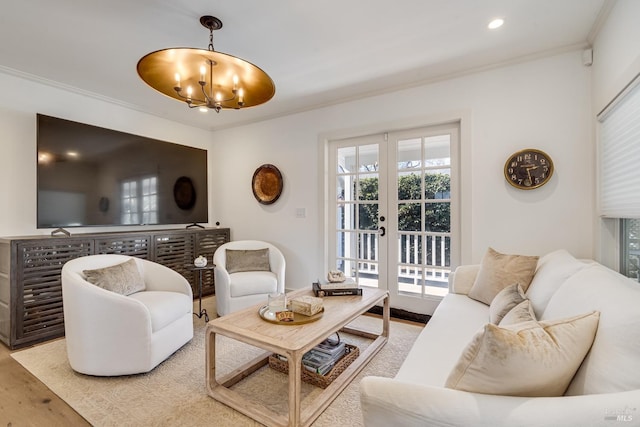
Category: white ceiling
[317,52]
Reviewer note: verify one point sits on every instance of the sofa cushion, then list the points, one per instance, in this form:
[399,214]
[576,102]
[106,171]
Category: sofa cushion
[164,307]
[252,283]
[613,364]
[437,348]
[522,312]
[525,359]
[238,260]
[552,271]
[504,301]
[498,271]
[123,278]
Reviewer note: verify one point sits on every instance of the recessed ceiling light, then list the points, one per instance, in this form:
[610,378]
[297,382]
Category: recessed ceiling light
[496,23]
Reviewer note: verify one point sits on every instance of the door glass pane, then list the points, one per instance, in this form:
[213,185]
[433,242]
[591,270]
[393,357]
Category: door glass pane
[345,219]
[345,216]
[409,217]
[437,217]
[368,156]
[409,186]
[368,216]
[346,160]
[437,184]
[346,188]
[409,153]
[437,150]
[346,244]
[410,248]
[368,187]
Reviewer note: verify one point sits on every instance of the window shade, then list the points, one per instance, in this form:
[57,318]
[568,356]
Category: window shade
[620,156]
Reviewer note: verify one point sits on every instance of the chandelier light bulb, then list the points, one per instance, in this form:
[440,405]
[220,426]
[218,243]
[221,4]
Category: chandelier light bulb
[177,80]
[496,23]
[203,71]
[240,97]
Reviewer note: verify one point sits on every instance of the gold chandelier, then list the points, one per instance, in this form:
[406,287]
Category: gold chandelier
[206,79]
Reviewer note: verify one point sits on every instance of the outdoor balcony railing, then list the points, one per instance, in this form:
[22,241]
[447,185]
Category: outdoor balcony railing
[414,269]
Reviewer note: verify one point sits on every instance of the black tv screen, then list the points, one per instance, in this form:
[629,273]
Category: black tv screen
[91,176]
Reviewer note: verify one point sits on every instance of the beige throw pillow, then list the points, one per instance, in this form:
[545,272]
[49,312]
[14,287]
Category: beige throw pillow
[522,312]
[498,271]
[525,359]
[122,278]
[238,260]
[504,301]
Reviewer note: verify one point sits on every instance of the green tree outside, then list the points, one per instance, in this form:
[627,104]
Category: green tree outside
[437,215]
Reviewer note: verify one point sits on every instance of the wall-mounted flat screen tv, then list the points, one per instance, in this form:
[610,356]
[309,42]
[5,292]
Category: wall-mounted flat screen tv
[90,176]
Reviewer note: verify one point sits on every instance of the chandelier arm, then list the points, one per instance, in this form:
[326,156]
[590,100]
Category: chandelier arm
[191,101]
[210,99]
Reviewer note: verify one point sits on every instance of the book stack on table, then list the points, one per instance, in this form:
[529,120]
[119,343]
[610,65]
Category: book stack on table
[322,358]
[331,289]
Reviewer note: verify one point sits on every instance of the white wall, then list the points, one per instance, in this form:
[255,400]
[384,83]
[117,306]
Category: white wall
[616,61]
[20,101]
[616,52]
[541,104]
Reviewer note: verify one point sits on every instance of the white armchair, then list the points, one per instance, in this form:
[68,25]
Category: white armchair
[238,290]
[110,334]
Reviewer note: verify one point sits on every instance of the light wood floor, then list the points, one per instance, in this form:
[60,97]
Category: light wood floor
[25,401]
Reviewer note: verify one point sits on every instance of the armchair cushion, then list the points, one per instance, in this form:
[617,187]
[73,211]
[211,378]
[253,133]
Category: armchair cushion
[164,307]
[253,283]
[123,278]
[239,260]
[525,359]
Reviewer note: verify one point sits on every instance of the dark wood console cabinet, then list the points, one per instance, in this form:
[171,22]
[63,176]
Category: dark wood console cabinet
[30,286]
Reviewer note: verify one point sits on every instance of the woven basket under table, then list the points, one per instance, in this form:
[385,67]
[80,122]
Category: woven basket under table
[318,380]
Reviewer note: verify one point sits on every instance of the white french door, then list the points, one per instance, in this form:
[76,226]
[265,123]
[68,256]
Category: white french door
[392,222]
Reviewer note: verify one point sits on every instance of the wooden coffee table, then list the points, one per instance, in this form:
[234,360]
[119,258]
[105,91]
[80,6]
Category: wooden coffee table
[292,342]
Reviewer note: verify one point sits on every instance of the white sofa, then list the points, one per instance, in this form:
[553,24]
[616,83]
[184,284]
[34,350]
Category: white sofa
[111,334]
[605,390]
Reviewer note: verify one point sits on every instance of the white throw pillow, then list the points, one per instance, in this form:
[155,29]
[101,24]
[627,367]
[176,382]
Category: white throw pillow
[506,299]
[522,312]
[497,271]
[525,359]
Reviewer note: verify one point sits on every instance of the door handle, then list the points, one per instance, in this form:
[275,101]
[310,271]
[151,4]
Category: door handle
[383,231]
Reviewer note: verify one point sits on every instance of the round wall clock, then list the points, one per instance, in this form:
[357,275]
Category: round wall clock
[528,169]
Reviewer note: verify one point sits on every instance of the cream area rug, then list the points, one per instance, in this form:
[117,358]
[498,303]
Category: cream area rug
[174,393]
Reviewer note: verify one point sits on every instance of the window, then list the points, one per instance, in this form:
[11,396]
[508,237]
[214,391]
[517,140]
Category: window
[619,136]
[140,201]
